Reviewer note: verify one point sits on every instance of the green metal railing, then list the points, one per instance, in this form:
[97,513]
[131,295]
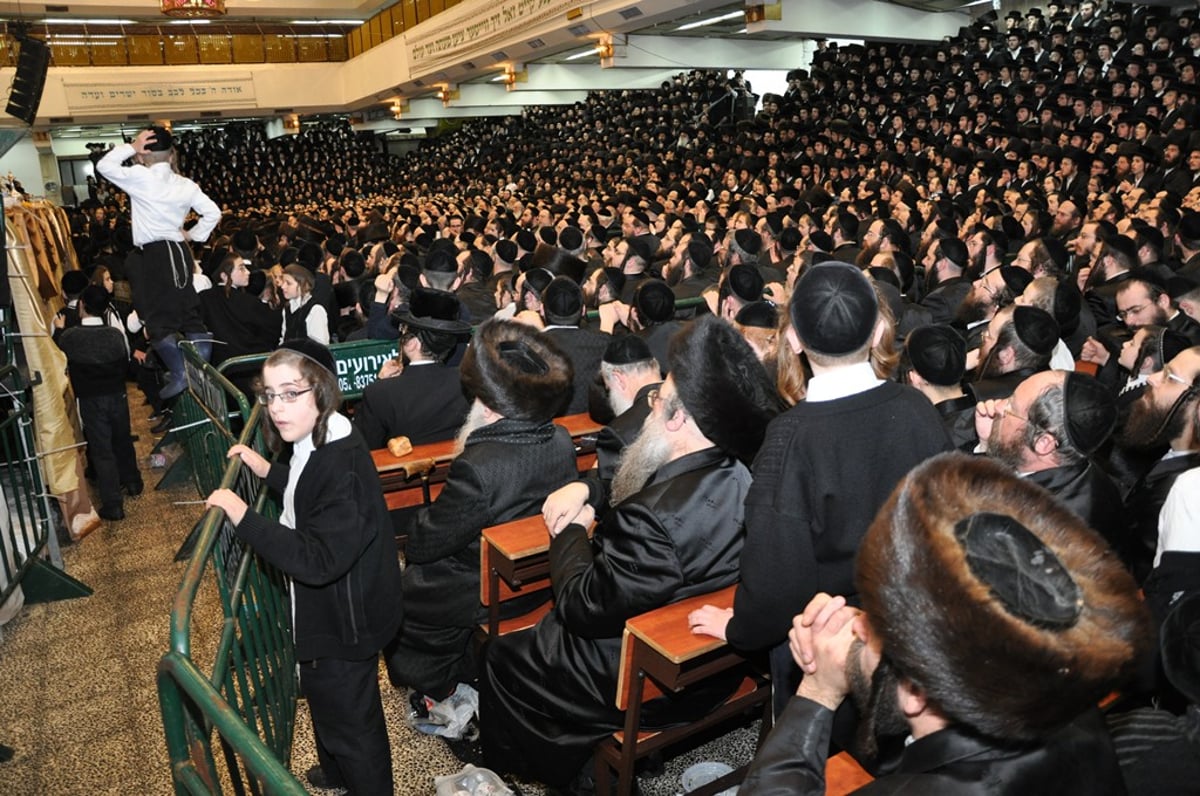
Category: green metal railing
[229,730]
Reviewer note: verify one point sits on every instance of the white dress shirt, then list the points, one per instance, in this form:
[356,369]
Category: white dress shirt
[159,198]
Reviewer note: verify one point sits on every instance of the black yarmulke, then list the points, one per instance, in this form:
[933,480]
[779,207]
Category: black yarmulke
[627,349]
[938,353]
[655,302]
[1015,279]
[562,297]
[1036,329]
[312,350]
[759,315]
[745,282]
[1019,570]
[834,309]
[1090,412]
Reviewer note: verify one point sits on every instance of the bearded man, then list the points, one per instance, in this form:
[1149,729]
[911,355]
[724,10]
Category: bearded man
[991,626]
[674,531]
[511,455]
[1164,415]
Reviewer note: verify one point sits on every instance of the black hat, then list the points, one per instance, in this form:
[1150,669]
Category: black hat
[562,297]
[312,350]
[654,301]
[745,282]
[722,385]
[938,353]
[749,241]
[759,315]
[644,246]
[834,309]
[1016,279]
[1036,329]
[506,250]
[627,349]
[1089,412]
[1023,592]
[821,240]
[434,311]
[73,282]
[163,140]
[1180,646]
[517,371]
[245,241]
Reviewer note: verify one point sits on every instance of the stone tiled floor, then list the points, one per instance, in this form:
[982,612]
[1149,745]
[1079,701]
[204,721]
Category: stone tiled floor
[78,700]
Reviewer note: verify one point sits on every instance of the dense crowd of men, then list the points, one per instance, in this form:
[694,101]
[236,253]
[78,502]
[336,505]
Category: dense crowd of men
[787,318]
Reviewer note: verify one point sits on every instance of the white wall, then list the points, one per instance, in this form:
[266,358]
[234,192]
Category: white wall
[22,161]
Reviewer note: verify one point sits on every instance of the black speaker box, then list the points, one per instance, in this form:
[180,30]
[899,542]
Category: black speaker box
[32,63]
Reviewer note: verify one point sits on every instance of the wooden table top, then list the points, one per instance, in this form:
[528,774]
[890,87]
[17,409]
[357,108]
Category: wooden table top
[577,426]
[666,630]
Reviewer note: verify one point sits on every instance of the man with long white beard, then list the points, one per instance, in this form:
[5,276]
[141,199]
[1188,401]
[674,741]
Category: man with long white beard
[511,456]
[674,531]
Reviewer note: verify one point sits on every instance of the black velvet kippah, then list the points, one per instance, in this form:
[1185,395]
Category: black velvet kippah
[1019,570]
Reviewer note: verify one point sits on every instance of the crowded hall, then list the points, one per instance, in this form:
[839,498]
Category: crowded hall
[833,434]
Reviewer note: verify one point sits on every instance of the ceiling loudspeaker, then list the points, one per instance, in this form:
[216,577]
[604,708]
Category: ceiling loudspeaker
[32,63]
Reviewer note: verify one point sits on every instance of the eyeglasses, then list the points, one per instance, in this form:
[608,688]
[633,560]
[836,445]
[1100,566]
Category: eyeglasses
[1123,314]
[287,396]
[1175,377]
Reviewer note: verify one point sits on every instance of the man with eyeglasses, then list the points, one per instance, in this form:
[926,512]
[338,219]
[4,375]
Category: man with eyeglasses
[1046,431]
[1163,422]
[1141,300]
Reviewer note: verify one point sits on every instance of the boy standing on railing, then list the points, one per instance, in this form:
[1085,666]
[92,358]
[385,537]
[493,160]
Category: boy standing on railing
[96,361]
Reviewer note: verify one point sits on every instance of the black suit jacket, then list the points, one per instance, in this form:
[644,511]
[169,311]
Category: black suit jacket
[424,403]
[585,347]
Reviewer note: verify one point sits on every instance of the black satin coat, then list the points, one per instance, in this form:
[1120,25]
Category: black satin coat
[1078,759]
[504,473]
[1088,491]
[548,693]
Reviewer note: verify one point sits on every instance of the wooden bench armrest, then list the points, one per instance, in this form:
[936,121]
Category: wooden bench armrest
[519,538]
[665,630]
[433,452]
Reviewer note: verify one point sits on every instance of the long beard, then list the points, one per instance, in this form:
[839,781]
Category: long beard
[1150,426]
[639,461]
[973,309]
[474,421]
[618,403]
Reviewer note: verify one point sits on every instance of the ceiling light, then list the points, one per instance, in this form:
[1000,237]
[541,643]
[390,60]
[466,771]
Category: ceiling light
[584,54]
[326,22]
[72,21]
[712,21]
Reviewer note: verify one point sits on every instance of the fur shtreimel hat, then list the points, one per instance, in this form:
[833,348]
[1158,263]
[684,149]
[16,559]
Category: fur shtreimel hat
[1003,606]
[722,385]
[517,371]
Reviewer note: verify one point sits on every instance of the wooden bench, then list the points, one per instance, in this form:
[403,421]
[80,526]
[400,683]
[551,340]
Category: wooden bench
[416,479]
[514,560]
[659,654]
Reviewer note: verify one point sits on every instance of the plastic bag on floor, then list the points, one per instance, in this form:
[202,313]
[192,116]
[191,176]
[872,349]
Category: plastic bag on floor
[472,781]
[450,717]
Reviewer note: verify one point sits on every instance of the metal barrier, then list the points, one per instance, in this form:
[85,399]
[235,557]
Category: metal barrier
[230,730]
[26,519]
[203,421]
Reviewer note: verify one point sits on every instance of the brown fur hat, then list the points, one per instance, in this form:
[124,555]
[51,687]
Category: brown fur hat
[517,371]
[957,636]
[722,385]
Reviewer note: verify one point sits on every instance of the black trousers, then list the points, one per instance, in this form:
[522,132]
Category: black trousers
[348,724]
[160,276]
[110,446]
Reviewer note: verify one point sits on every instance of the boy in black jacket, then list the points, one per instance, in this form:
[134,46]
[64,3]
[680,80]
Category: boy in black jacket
[96,360]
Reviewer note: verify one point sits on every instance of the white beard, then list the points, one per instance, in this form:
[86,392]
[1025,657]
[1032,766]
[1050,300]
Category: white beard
[474,421]
[619,403]
[640,460]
